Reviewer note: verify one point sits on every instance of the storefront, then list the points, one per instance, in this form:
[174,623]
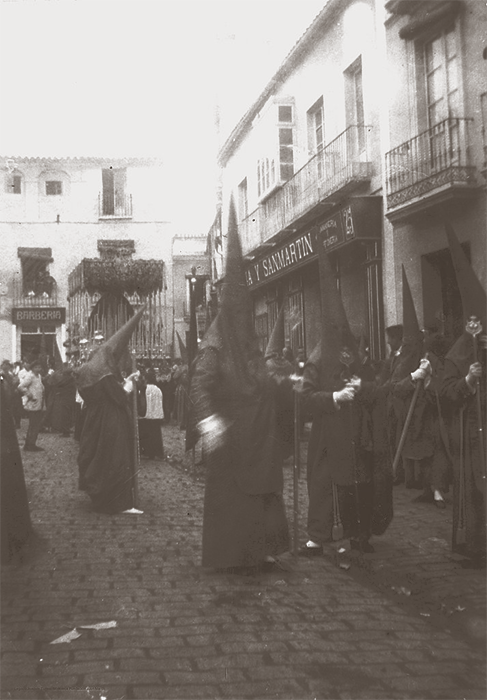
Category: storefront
[39,331]
[289,274]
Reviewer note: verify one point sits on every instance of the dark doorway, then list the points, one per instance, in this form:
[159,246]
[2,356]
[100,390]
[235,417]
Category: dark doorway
[442,303]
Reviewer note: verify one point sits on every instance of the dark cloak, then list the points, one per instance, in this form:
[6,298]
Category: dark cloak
[15,518]
[351,441]
[61,400]
[463,406]
[106,452]
[244,518]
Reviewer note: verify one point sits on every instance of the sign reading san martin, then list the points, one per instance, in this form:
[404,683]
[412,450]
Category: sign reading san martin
[290,255]
[359,220]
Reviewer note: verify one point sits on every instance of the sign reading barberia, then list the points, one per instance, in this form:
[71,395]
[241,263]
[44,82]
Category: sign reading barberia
[291,255]
[30,315]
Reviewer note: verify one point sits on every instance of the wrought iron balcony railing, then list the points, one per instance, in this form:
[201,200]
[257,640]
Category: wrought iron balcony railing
[340,165]
[436,158]
[117,207]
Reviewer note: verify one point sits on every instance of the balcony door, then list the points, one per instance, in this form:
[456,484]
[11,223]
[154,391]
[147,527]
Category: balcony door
[114,182]
[441,69]
[354,103]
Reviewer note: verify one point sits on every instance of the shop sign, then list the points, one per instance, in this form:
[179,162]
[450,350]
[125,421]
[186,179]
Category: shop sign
[36,315]
[289,256]
[360,219]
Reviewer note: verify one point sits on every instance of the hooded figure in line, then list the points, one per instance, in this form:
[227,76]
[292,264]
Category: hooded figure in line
[234,410]
[464,393]
[106,450]
[424,450]
[349,475]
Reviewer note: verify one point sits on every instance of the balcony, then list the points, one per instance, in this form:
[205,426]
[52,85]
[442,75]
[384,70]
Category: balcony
[340,167]
[118,206]
[431,168]
[35,295]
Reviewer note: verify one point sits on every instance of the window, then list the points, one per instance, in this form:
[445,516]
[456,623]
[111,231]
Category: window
[441,77]
[286,156]
[295,315]
[278,166]
[115,201]
[316,133]
[243,205]
[262,332]
[54,187]
[13,183]
[439,99]
[36,280]
[354,98]
[316,129]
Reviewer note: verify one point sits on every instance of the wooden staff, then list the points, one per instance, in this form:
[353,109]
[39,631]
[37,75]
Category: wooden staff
[136,451]
[405,429]
[460,533]
[474,327]
[406,425]
[346,358]
[296,468]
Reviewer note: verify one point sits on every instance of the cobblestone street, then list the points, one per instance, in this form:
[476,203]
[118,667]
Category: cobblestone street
[405,622]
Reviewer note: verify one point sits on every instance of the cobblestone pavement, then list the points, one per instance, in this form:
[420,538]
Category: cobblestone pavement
[405,622]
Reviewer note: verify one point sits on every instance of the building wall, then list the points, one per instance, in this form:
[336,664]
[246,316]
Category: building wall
[423,233]
[320,72]
[30,219]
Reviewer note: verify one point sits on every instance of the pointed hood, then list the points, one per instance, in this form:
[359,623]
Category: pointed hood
[276,341]
[58,360]
[473,294]
[473,302]
[338,346]
[412,344]
[182,349]
[106,359]
[235,296]
[232,331]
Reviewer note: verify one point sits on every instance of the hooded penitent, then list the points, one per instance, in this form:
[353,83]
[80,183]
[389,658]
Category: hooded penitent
[474,301]
[106,359]
[338,346]
[412,344]
[232,331]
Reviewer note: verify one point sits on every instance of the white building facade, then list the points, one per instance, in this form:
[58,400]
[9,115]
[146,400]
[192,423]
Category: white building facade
[304,166]
[60,218]
[316,161]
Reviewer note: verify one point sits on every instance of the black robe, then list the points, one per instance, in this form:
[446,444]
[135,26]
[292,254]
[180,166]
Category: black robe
[106,454]
[61,401]
[244,518]
[468,536]
[16,525]
[349,446]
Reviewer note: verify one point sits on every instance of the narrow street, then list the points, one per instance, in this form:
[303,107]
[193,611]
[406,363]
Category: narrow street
[405,622]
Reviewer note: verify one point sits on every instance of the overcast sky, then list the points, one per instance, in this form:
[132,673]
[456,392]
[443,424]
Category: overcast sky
[140,77]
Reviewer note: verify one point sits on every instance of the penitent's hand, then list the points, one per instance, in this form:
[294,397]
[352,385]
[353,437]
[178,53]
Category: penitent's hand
[474,373]
[213,429]
[344,395]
